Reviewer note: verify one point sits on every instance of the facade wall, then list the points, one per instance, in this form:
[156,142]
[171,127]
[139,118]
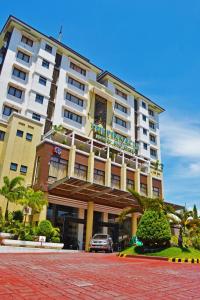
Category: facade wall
[18,150]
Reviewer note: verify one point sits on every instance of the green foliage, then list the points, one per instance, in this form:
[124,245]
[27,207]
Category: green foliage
[29,237]
[33,199]
[195,213]
[12,190]
[45,228]
[196,242]
[174,240]
[154,229]
[55,239]
[18,215]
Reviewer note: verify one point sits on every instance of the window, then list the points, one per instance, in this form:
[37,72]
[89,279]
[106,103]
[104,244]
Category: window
[74,99]
[8,110]
[153,152]
[152,138]
[144,105]
[23,56]
[42,80]
[29,137]
[13,167]
[144,118]
[130,184]
[15,92]
[48,48]
[76,83]
[19,133]
[115,181]
[121,94]
[27,41]
[23,169]
[45,63]
[39,98]
[151,112]
[156,191]
[36,117]
[121,107]
[18,73]
[99,176]
[77,69]
[120,122]
[143,188]
[152,125]
[144,131]
[2,135]
[80,171]
[72,116]
[145,146]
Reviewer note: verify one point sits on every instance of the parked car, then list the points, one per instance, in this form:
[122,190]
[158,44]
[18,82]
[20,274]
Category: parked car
[101,242]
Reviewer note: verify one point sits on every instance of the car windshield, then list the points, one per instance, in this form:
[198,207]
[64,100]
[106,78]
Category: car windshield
[100,236]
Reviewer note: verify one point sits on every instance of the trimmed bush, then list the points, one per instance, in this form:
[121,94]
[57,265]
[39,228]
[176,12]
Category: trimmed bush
[196,242]
[154,229]
[45,228]
[55,239]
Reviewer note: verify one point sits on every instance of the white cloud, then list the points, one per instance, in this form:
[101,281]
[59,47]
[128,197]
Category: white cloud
[181,138]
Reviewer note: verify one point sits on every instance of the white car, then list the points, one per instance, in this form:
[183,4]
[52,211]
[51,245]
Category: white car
[101,242]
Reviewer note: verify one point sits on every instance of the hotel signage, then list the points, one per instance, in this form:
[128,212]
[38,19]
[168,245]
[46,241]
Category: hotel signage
[114,139]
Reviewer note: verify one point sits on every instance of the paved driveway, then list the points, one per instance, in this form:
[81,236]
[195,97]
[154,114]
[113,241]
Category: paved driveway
[94,276]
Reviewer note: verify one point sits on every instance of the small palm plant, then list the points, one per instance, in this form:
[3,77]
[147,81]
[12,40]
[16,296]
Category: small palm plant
[34,200]
[12,190]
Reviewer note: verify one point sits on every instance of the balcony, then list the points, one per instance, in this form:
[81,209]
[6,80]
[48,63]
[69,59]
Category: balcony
[122,130]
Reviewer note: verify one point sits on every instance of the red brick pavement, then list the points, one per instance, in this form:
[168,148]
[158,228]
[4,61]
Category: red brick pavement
[90,276]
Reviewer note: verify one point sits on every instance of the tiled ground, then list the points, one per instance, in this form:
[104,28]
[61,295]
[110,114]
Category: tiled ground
[94,276]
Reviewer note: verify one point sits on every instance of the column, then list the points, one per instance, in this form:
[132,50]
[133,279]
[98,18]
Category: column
[134,217]
[43,213]
[105,219]
[71,161]
[137,180]
[123,177]
[108,172]
[81,214]
[149,186]
[89,225]
[90,174]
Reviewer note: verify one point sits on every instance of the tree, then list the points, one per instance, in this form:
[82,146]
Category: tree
[154,229]
[195,213]
[34,200]
[189,225]
[145,203]
[12,190]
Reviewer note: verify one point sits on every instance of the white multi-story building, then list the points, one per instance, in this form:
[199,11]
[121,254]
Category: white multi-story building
[110,144]
[47,81]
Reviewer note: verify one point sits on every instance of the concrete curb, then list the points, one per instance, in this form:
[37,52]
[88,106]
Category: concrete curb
[142,256]
[184,260]
[171,259]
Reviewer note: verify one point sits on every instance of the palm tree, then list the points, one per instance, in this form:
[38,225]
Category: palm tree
[145,203]
[188,223]
[34,200]
[12,190]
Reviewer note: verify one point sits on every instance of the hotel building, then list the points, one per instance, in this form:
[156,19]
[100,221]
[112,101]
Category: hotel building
[78,133]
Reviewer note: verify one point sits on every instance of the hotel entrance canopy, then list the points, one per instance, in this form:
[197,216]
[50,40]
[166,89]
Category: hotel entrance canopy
[82,190]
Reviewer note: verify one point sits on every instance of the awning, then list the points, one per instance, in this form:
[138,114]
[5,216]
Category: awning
[79,189]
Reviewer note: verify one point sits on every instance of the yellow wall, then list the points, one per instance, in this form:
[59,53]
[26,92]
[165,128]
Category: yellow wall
[18,150]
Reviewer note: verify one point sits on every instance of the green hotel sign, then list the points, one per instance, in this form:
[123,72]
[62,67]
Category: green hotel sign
[114,139]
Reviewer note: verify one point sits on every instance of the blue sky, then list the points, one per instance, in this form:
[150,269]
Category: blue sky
[153,45]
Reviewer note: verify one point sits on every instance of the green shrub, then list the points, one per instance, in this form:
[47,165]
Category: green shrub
[196,242]
[29,237]
[154,229]
[55,239]
[45,228]
[18,215]
[174,240]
